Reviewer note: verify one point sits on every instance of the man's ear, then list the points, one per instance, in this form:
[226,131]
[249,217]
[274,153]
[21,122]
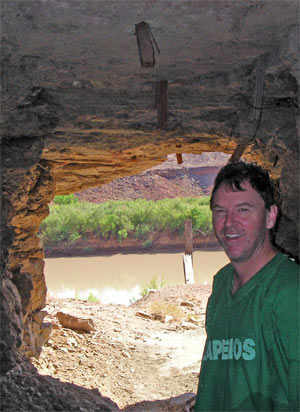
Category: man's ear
[271,216]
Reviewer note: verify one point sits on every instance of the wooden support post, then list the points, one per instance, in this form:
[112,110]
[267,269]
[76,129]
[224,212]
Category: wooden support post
[188,270]
[259,88]
[188,235]
[161,102]
[188,253]
[179,158]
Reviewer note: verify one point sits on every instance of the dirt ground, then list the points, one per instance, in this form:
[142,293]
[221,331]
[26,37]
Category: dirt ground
[136,359]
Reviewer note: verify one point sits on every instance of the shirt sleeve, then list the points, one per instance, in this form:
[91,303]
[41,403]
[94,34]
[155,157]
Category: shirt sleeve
[286,351]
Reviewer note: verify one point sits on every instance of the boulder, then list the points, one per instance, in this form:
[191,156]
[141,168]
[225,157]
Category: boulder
[74,322]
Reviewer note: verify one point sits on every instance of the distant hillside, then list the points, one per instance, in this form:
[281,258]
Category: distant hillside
[194,177]
[191,161]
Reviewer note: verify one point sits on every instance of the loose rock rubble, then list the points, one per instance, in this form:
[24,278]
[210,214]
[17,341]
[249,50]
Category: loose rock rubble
[129,362]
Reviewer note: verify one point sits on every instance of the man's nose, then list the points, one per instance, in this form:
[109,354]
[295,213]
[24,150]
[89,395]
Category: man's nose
[230,219]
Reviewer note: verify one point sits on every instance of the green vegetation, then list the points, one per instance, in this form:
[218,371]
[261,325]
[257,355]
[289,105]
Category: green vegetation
[154,284]
[70,220]
[92,298]
[159,310]
[147,244]
[65,200]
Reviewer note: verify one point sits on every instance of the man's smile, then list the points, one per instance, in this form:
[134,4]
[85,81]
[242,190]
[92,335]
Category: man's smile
[232,235]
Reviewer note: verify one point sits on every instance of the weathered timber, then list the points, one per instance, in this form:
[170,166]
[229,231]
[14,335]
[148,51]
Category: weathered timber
[188,269]
[188,253]
[161,99]
[259,88]
[188,235]
[179,158]
[145,44]
[237,154]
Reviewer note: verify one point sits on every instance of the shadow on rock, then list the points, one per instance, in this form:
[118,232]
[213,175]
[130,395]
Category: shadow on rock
[23,389]
[181,403]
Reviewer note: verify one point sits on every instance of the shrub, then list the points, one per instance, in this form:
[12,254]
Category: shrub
[92,298]
[159,310]
[142,230]
[147,244]
[74,236]
[70,219]
[154,284]
[65,199]
[122,234]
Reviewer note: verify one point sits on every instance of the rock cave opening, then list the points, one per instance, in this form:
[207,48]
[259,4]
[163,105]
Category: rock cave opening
[61,347]
[30,281]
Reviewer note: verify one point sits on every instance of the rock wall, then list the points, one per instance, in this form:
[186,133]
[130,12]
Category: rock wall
[78,111]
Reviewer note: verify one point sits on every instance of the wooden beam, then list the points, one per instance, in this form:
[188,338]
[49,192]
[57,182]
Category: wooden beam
[188,235]
[259,88]
[161,101]
[237,154]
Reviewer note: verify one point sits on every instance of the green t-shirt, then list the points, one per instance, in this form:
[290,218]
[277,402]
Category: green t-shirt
[251,357]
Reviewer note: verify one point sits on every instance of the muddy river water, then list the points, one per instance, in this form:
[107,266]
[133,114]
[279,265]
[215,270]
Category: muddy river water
[120,278]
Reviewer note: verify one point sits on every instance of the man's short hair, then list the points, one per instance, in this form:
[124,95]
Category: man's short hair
[234,174]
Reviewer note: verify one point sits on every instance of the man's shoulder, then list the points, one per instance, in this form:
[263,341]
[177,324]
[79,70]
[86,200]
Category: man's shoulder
[286,267]
[285,277]
[223,273]
[225,269]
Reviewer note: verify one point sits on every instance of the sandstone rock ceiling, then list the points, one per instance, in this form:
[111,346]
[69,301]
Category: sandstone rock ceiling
[85,53]
[78,110]
[94,41]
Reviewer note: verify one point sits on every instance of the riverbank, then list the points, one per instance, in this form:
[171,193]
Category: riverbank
[162,242]
[134,360]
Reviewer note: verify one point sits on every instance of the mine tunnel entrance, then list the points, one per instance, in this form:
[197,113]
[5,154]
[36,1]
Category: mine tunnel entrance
[151,349]
[78,109]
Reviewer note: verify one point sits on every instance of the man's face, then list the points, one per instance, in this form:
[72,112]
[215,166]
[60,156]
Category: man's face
[241,222]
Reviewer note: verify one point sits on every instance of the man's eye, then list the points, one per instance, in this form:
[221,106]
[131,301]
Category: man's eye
[219,211]
[243,210]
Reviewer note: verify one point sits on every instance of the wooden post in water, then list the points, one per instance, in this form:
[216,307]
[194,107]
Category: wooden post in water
[188,253]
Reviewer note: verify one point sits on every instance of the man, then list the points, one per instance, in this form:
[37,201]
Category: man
[251,357]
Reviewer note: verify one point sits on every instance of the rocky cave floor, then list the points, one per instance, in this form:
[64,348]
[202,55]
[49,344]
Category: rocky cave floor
[132,361]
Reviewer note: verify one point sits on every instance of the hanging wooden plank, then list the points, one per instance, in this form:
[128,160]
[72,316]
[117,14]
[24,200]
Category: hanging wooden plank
[259,88]
[145,42]
[161,100]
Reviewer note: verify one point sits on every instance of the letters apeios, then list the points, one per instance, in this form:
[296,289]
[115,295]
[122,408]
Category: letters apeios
[227,349]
